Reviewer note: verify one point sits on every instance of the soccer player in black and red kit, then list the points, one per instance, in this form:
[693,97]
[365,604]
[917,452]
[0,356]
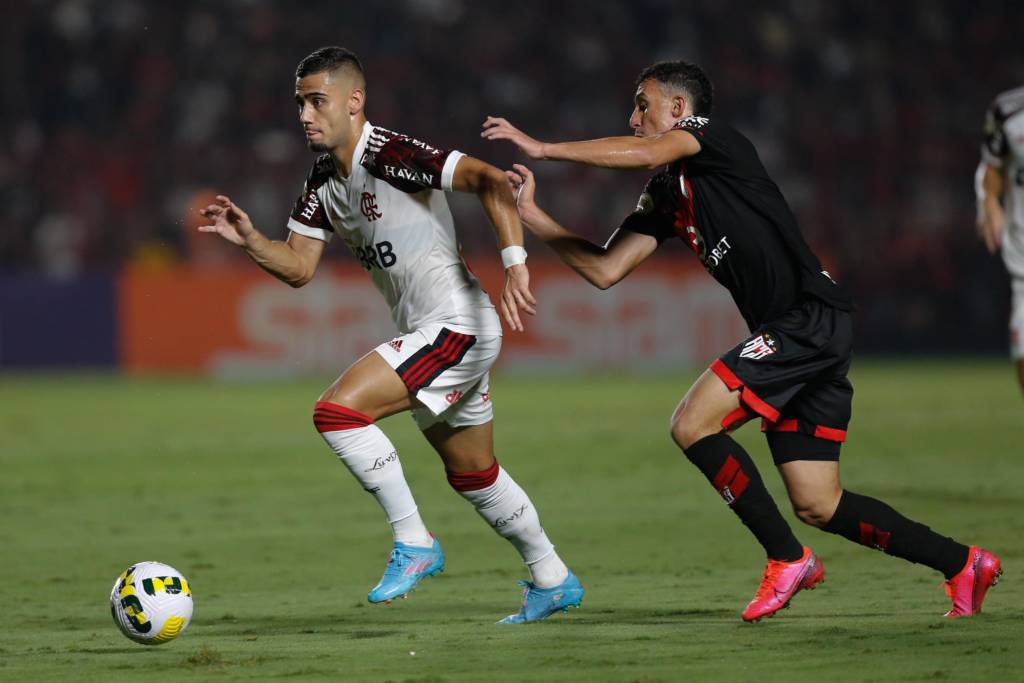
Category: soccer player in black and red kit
[713,192]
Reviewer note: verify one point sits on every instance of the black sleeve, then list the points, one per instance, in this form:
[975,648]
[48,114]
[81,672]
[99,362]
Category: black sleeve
[654,214]
[716,146]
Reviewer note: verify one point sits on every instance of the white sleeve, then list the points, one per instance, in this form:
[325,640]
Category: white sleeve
[315,233]
[448,172]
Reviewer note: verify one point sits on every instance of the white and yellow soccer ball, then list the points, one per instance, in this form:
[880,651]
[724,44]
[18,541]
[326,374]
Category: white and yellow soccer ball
[151,603]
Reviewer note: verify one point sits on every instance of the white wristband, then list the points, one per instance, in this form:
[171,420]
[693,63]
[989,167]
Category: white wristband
[513,256]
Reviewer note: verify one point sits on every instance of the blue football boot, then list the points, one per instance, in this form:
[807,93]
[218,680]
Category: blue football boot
[407,565]
[540,603]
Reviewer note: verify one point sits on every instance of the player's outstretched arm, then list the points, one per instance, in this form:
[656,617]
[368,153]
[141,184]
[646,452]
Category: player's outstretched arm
[616,152]
[600,266]
[991,215]
[293,262]
[491,187]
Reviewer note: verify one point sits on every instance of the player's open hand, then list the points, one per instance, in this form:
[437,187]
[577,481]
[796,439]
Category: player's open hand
[228,221]
[990,227]
[516,296]
[500,129]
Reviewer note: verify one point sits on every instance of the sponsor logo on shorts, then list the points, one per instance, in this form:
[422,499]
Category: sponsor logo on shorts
[760,346]
[396,344]
[453,396]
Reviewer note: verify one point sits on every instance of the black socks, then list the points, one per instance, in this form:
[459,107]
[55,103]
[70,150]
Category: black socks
[872,523]
[733,474]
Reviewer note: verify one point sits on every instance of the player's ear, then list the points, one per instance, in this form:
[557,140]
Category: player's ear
[678,106]
[356,100]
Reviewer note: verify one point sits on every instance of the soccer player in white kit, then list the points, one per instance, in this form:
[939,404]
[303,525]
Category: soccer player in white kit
[1000,190]
[377,191]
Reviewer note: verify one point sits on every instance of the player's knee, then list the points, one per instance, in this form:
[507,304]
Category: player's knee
[815,511]
[687,429]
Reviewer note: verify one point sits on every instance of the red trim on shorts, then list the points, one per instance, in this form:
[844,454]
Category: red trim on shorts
[758,406]
[438,359]
[780,426]
[331,417]
[737,418]
[473,481]
[746,395]
[726,375]
[820,432]
[830,433]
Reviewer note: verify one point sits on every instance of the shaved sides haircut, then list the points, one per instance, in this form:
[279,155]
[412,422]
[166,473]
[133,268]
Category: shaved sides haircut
[331,59]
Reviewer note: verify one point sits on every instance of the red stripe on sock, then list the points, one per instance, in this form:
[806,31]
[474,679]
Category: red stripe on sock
[473,481]
[738,485]
[873,537]
[331,417]
[731,481]
[726,473]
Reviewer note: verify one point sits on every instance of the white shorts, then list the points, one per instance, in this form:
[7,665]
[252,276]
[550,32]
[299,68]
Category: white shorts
[447,371]
[1017,318]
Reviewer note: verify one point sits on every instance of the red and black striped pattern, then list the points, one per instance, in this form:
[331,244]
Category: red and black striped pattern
[331,417]
[424,366]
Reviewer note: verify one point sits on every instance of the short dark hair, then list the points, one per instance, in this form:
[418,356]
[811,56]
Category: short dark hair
[328,59]
[684,76]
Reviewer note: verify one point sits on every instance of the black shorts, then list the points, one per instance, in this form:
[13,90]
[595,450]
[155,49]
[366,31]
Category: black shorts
[792,372]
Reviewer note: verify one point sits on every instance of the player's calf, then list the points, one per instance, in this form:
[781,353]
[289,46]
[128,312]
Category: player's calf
[874,524]
[372,459]
[733,474]
[506,508]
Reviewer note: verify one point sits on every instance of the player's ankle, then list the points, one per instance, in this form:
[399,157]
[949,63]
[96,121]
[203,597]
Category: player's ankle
[549,571]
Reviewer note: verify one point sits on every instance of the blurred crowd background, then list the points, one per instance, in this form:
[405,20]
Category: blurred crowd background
[121,117]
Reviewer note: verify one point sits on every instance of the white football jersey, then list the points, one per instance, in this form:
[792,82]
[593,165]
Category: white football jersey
[1003,148]
[395,221]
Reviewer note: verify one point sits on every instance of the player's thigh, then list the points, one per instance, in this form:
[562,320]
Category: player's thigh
[370,386]
[703,409]
[467,448]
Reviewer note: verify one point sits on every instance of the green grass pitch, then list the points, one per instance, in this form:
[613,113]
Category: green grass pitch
[231,484]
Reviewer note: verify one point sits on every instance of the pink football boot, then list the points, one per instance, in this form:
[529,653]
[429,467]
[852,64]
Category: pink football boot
[967,589]
[781,581]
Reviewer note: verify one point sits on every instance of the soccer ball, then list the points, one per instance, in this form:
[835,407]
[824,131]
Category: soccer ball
[151,603]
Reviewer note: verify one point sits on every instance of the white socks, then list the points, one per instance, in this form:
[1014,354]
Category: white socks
[373,460]
[510,512]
